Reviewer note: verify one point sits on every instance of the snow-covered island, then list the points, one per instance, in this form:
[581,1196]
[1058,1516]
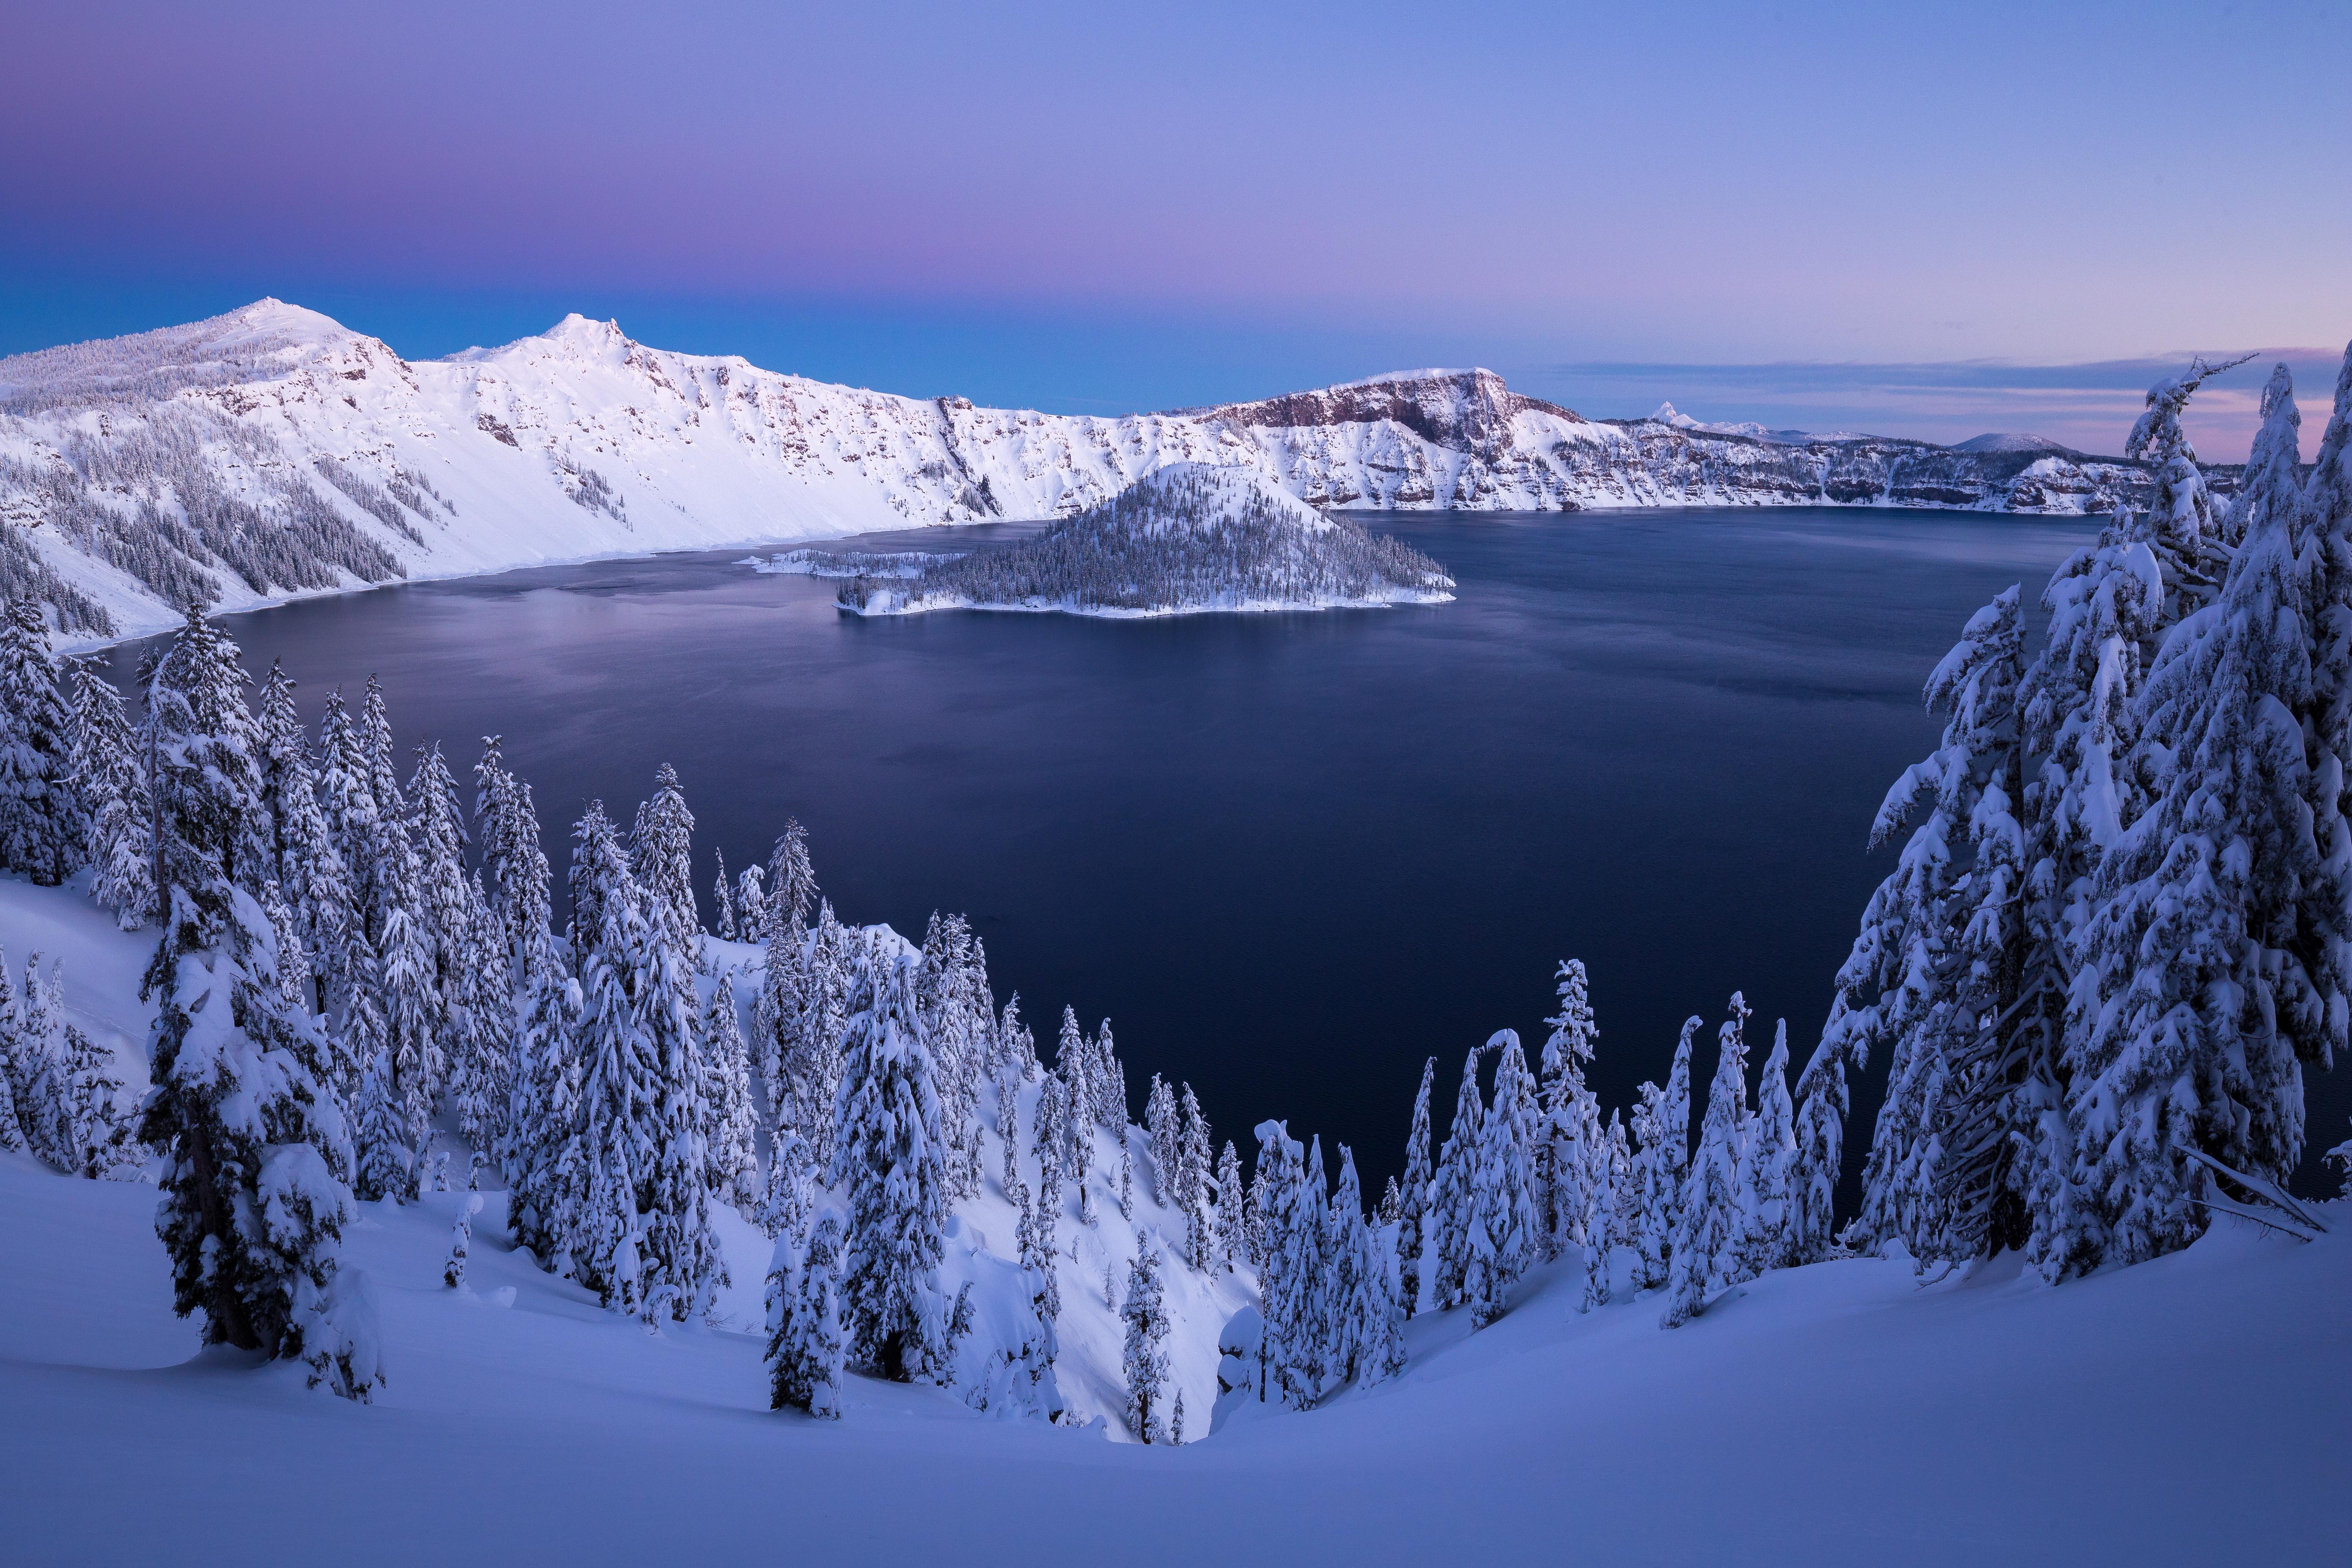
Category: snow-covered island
[1187,539]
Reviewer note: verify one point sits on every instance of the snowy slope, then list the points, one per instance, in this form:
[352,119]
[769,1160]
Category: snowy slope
[102,969]
[323,461]
[2190,1410]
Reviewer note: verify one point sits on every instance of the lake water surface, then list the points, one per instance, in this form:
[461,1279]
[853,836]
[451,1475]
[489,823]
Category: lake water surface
[1290,856]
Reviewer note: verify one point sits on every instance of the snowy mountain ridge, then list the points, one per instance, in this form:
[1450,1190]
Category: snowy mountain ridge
[272,452]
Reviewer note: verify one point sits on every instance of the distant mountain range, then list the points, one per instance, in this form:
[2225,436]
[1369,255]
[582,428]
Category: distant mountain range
[271,452]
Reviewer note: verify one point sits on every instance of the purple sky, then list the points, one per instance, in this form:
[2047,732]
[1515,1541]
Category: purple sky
[1085,207]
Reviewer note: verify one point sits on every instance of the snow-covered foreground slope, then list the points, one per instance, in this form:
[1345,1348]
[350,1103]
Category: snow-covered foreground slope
[1189,538]
[271,452]
[2187,1410]
[2190,1410]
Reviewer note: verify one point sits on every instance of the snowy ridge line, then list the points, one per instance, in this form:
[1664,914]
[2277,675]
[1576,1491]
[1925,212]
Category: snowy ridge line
[271,453]
[1188,539]
[850,562]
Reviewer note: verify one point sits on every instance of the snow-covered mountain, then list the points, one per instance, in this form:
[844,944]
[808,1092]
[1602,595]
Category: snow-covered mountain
[271,452]
[1186,538]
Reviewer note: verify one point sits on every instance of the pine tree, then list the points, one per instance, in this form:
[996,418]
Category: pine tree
[1413,1198]
[1391,1207]
[542,1152]
[43,832]
[1820,1155]
[1107,1078]
[37,1065]
[621,1136]
[1048,1144]
[446,919]
[1290,1278]
[1456,1194]
[2218,952]
[1707,1247]
[734,1156]
[805,1341]
[1662,1124]
[751,904]
[514,864]
[1233,1244]
[1568,1160]
[661,854]
[113,792]
[252,1210]
[1506,1228]
[1364,1336]
[461,1241]
[1194,1187]
[1145,1357]
[1166,1131]
[102,1143]
[1604,1228]
[890,1161]
[1767,1168]
[722,902]
[792,881]
[14,1068]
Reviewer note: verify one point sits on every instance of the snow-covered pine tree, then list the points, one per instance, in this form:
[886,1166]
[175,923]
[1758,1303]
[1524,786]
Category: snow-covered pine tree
[13,1067]
[252,1211]
[1604,1228]
[43,832]
[1125,1177]
[1161,1126]
[1569,1159]
[1392,1206]
[461,1241]
[1453,1203]
[1106,1081]
[1253,1208]
[1014,1046]
[792,880]
[1233,1242]
[410,1007]
[542,1152]
[1767,1161]
[1194,1187]
[98,1133]
[1413,1198]
[1506,1225]
[1035,1235]
[483,1082]
[304,861]
[1820,1154]
[37,1065]
[751,904]
[812,1070]
[114,791]
[1290,1278]
[620,1134]
[722,901]
[734,1154]
[890,1163]
[958,1011]
[805,1341]
[2218,954]
[1941,958]
[1144,1358]
[1706,1255]
[1364,1337]
[1662,1126]
[445,907]
[661,856]
[514,863]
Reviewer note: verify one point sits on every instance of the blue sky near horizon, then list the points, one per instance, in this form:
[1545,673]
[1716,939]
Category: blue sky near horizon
[1923,221]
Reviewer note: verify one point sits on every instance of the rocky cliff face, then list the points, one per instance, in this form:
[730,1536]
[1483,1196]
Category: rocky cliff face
[272,452]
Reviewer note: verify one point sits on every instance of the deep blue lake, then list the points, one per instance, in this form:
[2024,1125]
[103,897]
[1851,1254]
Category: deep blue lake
[1290,856]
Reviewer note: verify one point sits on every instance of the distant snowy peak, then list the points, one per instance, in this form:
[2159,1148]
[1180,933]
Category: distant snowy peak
[1993,441]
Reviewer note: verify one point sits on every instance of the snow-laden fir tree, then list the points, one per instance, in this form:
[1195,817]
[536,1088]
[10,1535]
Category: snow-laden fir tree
[1654,1207]
[383,1151]
[14,1116]
[792,880]
[1820,1154]
[661,852]
[461,1241]
[1454,1193]
[734,1176]
[1290,1278]
[1195,1186]
[620,1132]
[1604,1227]
[542,1151]
[303,859]
[811,1069]
[722,902]
[1506,1226]
[1413,1197]
[1364,1335]
[1107,1079]
[958,1012]
[1571,1157]
[409,1000]
[112,788]
[33,1052]
[1014,1046]
[1162,1125]
[1232,1225]
[514,864]
[751,904]
[2218,954]
[99,1143]
[252,1211]
[806,1343]
[1392,1206]
[447,921]
[1768,1162]
[1144,1356]
[1706,1255]
[43,832]
[890,1163]
[1049,1141]
[1035,1238]
[1940,958]
[482,1082]
[1125,1177]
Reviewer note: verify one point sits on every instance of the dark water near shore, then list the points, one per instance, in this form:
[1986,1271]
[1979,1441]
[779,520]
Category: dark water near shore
[1290,856]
